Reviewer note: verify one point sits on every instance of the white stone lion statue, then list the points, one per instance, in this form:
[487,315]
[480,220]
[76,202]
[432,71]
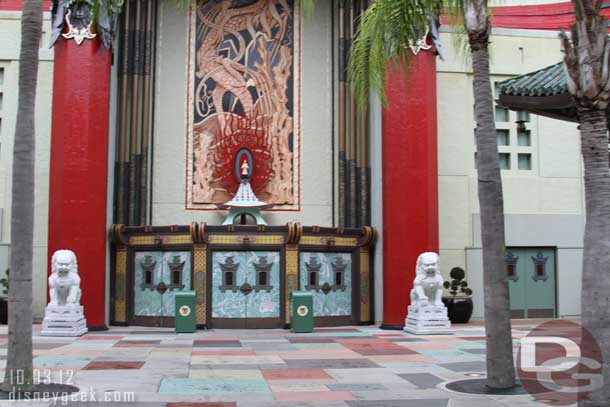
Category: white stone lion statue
[428,284]
[64,282]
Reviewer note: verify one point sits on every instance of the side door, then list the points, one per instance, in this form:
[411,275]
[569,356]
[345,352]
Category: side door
[540,283]
[531,275]
[329,277]
[157,276]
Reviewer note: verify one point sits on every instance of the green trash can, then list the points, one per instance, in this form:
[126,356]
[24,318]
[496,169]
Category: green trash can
[302,311]
[185,312]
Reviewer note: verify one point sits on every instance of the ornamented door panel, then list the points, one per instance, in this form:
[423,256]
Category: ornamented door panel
[329,276]
[531,282]
[246,288]
[158,275]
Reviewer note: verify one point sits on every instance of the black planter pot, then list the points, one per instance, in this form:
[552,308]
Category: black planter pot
[3,311]
[459,309]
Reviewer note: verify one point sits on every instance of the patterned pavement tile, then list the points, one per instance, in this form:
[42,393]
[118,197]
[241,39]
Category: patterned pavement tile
[404,339]
[236,366]
[422,380]
[97,337]
[218,352]
[48,345]
[399,403]
[465,366]
[482,351]
[311,340]
[313,396]
[226,374]
[136,343]
[112,365]
[204,404]
[300,374]
[241,359]
[61,361]
[387,361]
[331,367]
[355,386]
[282,386]
[179,385]
[217,343]
[331,363]
[306,345]
[441,353]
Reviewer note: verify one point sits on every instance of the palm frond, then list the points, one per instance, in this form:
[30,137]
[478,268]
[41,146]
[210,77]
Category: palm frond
[384,33]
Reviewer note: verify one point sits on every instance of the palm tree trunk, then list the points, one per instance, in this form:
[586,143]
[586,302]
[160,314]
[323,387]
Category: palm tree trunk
[500,365]
[18,373]
[596,253]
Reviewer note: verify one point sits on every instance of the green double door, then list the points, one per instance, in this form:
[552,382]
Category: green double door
[531,274]
[158,276]
[246,289]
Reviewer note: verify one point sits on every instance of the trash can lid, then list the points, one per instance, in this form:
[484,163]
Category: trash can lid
[302,294]
[185,293]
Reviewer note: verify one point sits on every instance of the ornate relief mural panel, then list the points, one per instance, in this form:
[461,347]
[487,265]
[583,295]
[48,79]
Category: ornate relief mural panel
[244,93]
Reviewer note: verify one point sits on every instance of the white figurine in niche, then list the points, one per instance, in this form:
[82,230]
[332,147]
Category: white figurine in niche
[427,314]
[64,315]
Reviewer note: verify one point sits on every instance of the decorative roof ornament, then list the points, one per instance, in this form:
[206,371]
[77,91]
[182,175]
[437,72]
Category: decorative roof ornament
[244,202]
[79,34]
[81,15]
[420,44]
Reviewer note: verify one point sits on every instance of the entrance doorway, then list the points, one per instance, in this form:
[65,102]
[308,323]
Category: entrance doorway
[531,273]
[246,289]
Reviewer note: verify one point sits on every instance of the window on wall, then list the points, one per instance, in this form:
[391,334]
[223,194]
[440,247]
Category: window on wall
[515,139]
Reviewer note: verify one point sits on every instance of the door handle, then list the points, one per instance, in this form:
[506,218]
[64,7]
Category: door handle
[245,289]
[161,288]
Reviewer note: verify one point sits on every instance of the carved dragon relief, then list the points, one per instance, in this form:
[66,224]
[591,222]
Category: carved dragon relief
[243,91]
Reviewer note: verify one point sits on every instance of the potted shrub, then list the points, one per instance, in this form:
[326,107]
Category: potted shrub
[459,302]
[4,298]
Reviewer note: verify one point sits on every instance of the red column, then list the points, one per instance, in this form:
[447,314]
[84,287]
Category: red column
[410,181]
[79,165]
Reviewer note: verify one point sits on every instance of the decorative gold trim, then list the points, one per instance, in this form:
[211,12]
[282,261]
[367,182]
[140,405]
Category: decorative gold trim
[246,239]
[365,287]
[117,234]
[120,312]
[329,241]
[159,240]
[199,269]
[79,34]
[292,275]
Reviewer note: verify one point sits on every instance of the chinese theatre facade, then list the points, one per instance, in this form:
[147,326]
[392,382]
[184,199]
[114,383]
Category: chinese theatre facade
[219,149]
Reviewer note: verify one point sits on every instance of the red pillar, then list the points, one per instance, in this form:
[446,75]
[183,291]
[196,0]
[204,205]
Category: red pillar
[410,181]
[79,165]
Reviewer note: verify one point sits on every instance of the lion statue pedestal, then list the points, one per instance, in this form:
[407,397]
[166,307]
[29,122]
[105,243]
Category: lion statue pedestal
[427,314]
[64,315]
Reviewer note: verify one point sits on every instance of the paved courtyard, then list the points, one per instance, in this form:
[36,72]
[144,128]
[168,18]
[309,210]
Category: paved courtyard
[338,367]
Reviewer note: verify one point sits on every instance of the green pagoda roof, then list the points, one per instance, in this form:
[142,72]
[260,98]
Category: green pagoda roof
[547,81]
[543,92]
